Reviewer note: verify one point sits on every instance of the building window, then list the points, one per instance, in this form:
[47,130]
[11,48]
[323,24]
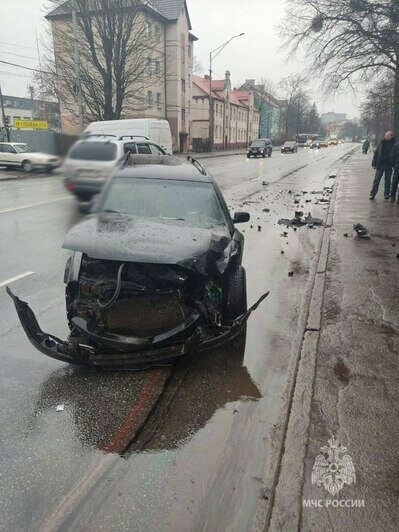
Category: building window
[150,100]
[149,66]
[157,68]
[158,100]
[183,85]
[157,34]
[149,29]
[183,55]
[183,115]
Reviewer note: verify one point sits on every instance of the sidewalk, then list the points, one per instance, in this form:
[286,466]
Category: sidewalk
[348,374]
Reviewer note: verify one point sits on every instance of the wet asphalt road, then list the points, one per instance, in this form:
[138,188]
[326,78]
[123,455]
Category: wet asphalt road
[183,448]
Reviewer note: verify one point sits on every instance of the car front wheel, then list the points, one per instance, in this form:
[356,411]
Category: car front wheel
[235,292]
[27,167]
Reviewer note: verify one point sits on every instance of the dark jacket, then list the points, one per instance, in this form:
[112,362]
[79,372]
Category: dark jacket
[383,154]
[395,155]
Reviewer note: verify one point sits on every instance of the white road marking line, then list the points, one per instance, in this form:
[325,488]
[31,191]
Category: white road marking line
[16,278]
[63,198]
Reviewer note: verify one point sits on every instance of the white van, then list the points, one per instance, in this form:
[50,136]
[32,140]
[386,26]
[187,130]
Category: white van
[152,129]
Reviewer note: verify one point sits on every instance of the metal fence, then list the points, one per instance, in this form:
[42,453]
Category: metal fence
[43,141]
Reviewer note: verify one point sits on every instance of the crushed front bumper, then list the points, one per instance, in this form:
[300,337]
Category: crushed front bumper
[128,352]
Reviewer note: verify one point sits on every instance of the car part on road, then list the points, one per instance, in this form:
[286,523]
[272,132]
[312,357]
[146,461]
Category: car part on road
[361,231]
[299,221]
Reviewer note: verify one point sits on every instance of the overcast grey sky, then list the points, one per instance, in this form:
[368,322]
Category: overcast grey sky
[254,55]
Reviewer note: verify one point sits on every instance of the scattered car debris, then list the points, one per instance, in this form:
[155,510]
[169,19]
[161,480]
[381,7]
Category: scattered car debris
[296,201]
[361,231]
[282,252]
[266,210]
[60,408]
[299,221]
[264,183]
[259,228]
[397,255]
[285,234]
[290,274]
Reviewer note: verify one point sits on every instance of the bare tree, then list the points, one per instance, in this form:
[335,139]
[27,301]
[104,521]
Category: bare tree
[377,111]
[350,41]
[198,68]
[120,56]
[297,105]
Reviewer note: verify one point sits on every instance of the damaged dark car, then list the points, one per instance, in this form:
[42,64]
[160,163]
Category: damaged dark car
[155,271]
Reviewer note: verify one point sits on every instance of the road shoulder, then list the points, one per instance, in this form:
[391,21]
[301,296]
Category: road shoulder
[347,384]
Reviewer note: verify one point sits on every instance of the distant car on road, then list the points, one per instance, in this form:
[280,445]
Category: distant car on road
[21,155]
[91,160]
[316,144]
[261,147]
[289,147]
[323,143]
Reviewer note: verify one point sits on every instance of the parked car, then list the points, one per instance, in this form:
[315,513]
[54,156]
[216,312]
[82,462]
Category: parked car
[316,144]
[90,161]
[21,155]
[261,147]
[155,270]
[323,143]
[152,129]
[289,147]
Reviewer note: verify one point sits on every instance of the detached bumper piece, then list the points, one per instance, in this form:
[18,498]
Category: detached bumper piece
[127,352]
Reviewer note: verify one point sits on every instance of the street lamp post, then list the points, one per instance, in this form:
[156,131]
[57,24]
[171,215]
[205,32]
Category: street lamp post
[212,56]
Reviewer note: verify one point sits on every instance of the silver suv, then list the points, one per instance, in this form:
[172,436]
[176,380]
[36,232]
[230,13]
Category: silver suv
[91,160]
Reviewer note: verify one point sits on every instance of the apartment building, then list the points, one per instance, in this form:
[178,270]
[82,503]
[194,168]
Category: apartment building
[168,62]
[234,116]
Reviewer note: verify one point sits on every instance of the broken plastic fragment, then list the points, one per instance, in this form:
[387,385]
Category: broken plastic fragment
[361,231]
[60,408]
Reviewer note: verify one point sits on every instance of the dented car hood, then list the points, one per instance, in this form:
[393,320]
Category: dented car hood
[112,236]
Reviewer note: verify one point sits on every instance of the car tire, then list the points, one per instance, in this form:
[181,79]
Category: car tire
[248,156]
[27,167]
[235,292]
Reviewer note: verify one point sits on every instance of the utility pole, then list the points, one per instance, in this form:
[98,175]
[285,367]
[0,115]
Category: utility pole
[5,123]
[78,85]
[212,56]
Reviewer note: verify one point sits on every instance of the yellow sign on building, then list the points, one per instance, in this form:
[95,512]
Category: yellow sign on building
[30,124]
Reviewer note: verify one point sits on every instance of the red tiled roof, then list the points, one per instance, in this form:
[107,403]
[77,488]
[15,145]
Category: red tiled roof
[203,84]
[218,84]
[238,97]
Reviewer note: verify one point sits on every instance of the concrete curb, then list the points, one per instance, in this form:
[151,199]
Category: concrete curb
[286,510]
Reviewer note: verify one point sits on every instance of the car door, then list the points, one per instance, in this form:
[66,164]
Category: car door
[10,155]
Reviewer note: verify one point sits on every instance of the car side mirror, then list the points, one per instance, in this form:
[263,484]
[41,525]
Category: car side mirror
[241,217]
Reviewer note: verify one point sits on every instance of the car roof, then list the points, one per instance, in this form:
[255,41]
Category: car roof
[161,167]
[17,143]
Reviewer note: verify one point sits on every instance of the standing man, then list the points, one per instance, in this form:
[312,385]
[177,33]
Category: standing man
[383,165]
[395,164]
[366,146]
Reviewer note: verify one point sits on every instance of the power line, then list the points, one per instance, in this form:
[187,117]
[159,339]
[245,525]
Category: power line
[17,55]
[18,45]
[14,74]
[24,67]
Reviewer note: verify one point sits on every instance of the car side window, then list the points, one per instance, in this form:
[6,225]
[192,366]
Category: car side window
[144,148]
[156,150]
[9,149]
[1,148]
[129,146]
